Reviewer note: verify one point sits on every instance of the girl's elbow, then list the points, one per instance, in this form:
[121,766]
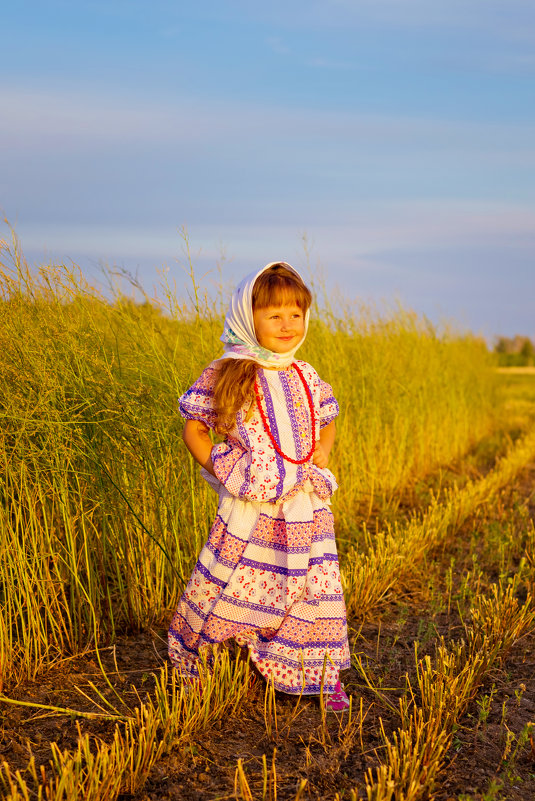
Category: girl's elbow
[185,432]
[190,432]
[194,431]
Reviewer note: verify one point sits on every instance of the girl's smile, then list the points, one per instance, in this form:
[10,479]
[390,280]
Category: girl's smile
[279,328]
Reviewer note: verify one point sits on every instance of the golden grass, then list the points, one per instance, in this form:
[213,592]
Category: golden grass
[415,755]
[102,511]
[98,770]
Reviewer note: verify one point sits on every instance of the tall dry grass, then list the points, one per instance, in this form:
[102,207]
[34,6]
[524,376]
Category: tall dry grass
[102,511]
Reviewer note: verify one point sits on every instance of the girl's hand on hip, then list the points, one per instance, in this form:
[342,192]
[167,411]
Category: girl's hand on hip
[320,458]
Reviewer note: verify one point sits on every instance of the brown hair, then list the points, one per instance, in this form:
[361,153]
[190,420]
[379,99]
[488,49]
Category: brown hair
[276,286]
[279,286]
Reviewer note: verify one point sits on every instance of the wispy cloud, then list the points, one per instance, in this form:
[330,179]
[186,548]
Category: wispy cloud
[56,117]
[278,46]
[53,118]
[486,34]
[510,17]
[468,262]
[67,157]
[374,229]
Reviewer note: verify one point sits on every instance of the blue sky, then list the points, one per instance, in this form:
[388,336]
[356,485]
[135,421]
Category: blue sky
[397,135]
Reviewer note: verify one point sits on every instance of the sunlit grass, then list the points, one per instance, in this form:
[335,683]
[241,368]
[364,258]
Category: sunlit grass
[102,515]
[103,512]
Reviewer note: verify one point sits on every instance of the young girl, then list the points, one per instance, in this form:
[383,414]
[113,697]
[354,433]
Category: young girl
[268,577]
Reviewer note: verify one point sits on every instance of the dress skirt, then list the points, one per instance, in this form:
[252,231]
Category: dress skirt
[268,579]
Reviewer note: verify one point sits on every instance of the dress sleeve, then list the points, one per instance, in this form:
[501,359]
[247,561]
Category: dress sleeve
[197,402]
[329,408]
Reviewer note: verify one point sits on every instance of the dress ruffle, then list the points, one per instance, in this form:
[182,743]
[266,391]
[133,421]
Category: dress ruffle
[268,579]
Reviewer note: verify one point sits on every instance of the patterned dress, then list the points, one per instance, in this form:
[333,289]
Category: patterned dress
[268,577]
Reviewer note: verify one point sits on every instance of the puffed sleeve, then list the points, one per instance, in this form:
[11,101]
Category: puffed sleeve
[329,408]
[197,402]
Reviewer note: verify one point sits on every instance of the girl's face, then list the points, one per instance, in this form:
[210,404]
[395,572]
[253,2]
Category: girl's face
[279,328]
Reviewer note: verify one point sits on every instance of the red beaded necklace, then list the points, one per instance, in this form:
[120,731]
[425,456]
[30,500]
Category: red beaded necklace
[312,419]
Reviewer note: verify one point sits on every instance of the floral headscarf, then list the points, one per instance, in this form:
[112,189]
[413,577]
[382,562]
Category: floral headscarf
[239,332]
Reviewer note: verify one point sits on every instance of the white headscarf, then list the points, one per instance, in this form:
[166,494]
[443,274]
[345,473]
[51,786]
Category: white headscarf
[239,332]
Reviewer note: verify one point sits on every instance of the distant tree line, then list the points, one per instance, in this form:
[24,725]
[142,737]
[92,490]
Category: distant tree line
[515,351]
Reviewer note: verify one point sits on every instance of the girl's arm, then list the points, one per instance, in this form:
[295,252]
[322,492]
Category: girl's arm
[198,443]
[324,445]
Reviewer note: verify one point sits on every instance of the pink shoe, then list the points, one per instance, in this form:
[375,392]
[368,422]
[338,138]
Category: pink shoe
[338,700]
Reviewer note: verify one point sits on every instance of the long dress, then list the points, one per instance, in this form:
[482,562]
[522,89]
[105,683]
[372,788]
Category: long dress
[268,577]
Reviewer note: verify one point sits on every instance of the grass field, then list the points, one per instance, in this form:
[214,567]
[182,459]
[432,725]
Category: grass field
[103,514]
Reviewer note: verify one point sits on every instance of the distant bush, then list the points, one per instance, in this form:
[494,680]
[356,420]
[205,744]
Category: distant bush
[515,352]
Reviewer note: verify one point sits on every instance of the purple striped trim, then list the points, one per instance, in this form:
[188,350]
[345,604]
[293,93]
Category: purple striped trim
[215,550]
[277,547]
[286,571]
[296,663]
[227,530]
[222,561]
[180,642]
[309,689]
[203,640]
[201,414]
[178,637]
[324,598]
[327,557]
[274,430]
[273,610]
[327,481]
[206,573]
[324,421]
[194,608]
[260,656]
[269,568]
[308,644]
[247,444]
[213,641]
[326,401]
[329,535]
[217,456]
[194,390]
[313,602]
[289,523]
[330,599]
[285,382]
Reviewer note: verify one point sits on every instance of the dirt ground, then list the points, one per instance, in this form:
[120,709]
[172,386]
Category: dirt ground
[482,764]
[206,769]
